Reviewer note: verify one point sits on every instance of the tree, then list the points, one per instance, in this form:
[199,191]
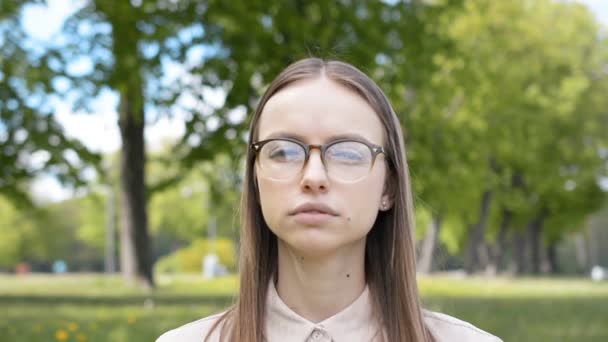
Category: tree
[523,97]
[14,244]
[493,117]
[35,235]
[31,140]
[481,97]
[128,45]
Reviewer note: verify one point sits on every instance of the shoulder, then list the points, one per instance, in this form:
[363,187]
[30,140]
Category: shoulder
[448,328]
[193,331]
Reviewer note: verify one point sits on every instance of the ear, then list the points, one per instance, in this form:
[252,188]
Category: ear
[386,203]
[388,195]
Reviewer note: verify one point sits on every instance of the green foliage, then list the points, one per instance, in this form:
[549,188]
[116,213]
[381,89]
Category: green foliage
[79,231]
[423,219]
[31,140]
[92,221]
[504,100]
[31,235]
[500,96]
[181,210]
[17,231]
[190,259]
[201,193]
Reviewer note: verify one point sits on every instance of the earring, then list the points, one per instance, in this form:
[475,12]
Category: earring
[383,205]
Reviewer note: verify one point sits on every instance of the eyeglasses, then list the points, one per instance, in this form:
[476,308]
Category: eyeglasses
[345,160]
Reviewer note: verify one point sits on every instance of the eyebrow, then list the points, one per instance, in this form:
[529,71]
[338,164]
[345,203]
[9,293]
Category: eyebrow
[354,136]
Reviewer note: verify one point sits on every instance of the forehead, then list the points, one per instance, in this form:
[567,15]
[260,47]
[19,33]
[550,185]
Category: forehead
[319,110]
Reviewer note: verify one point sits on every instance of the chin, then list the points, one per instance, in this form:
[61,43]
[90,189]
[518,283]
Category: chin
[315,242]
[312,242]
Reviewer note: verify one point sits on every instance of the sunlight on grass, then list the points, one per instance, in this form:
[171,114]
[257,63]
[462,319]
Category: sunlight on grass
[511,287]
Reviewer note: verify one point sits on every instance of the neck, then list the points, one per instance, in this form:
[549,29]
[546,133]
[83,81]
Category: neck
[318,288]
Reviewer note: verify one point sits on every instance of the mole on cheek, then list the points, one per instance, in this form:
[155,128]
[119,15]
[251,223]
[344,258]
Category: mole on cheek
[348,275]
[348,218]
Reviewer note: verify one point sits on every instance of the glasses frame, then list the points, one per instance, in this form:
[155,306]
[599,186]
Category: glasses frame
[374,149]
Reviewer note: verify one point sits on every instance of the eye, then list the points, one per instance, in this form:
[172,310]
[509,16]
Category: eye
[283,151]
[349,152]
[283,154]
[344,154]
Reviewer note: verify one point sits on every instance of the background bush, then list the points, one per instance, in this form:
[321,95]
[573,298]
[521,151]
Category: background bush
[190,259]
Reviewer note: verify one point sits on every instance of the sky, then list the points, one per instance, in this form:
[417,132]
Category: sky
[599,8]
[99,132]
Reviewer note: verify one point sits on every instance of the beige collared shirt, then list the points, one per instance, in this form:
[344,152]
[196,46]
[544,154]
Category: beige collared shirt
[354,323]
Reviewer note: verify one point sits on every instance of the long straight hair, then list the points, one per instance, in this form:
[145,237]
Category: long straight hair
[390,266]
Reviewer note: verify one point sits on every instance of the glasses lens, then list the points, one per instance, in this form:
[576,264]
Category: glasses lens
[280,159]
[348,160]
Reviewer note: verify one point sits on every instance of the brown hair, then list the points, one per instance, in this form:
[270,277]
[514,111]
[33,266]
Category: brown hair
[390,265]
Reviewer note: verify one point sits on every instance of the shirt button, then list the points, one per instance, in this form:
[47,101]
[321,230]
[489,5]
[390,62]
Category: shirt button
[317,335]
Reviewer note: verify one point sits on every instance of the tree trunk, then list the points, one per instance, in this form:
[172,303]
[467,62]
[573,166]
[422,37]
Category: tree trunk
[534,236]
[534,230]
[475,251]
[499,247]
[483,254]
[582,252]
[110,250]
[518,248]
[470,253]
[593,236]
[552,258]
[427,253]
[135,257]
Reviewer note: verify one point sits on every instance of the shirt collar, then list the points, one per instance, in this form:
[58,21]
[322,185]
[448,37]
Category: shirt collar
[355,322]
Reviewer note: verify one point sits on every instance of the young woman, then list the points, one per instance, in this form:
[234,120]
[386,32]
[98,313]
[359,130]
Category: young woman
[326,252]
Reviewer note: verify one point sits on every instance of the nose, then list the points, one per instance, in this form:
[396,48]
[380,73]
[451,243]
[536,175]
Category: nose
[314,176]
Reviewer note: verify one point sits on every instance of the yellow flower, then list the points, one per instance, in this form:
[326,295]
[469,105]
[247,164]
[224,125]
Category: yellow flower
[131,319]
[81,337]
[72,326]
[61,335]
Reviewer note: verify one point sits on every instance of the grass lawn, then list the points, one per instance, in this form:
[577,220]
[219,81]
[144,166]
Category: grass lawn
[98,308]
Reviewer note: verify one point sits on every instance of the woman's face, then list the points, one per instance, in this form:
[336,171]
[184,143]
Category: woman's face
[317,111]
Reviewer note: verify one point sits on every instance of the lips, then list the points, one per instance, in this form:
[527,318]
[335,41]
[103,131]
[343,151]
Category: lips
[313,214]
[313,208]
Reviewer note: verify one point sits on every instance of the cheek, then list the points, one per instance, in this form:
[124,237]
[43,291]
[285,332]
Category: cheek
[362,202]
[271,200]
[362,207]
